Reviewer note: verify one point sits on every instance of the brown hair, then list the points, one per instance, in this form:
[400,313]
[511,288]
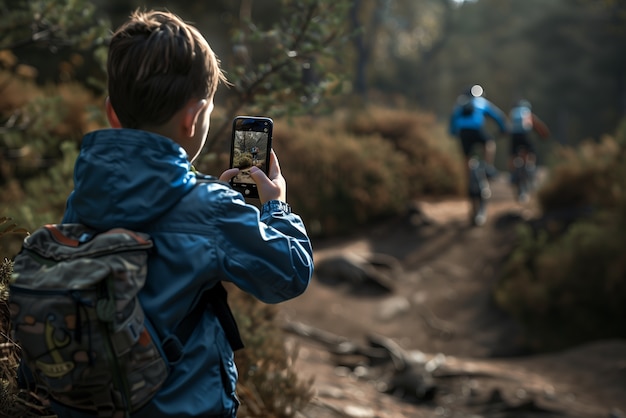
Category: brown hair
[156,64]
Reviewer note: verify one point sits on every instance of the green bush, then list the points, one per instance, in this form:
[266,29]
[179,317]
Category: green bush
[566,280]
[346,171]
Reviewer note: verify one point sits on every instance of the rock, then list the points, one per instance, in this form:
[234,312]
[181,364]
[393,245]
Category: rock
[373,274]
[392,307]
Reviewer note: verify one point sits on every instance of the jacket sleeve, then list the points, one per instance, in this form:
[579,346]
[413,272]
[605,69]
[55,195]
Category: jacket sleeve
[497,115]
[266,253]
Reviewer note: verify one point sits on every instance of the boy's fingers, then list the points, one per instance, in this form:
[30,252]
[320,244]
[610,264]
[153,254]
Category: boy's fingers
[259,177]
[268,189]
[229,174]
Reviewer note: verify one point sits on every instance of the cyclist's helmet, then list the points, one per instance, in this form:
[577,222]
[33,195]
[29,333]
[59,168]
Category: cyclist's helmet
[477,90]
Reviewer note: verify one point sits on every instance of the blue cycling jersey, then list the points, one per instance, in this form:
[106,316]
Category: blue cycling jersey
[481,109]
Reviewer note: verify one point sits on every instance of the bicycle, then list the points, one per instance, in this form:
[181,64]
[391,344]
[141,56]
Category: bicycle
[523,175]
[522,164]
[479,191]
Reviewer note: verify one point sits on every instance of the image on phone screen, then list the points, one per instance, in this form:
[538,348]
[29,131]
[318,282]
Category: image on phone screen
[251,147]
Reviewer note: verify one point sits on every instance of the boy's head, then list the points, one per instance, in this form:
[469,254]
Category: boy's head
[156,65]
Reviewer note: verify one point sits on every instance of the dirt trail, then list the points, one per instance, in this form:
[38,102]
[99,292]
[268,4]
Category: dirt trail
[441,315]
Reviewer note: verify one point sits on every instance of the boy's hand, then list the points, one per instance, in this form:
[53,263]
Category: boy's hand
[273,186]
[229,174]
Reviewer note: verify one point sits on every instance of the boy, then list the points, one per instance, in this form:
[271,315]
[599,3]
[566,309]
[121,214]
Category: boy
[162,79]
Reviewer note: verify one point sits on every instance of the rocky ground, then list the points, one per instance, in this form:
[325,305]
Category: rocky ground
[415,333]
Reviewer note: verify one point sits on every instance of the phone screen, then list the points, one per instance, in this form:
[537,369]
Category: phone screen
[251,146]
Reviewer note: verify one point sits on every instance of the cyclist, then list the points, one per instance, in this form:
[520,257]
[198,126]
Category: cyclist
[468,123]
[522,123]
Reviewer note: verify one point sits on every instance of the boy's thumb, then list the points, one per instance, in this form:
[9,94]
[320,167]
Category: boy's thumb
[259,176]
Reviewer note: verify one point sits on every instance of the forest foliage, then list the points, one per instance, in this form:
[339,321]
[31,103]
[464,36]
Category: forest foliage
[360,92]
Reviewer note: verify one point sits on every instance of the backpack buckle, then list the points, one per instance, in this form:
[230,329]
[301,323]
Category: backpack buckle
[172,348]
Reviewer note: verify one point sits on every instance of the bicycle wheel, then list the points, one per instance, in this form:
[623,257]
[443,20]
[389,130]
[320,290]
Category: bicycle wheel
[523,178]
[479,191]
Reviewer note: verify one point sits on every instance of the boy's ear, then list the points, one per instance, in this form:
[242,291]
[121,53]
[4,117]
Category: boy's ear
[111,115]
[192,113]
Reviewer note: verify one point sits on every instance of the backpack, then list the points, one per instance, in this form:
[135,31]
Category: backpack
[467,106]
[77,318]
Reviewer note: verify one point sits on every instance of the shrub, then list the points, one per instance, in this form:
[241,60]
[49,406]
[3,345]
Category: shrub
[567,285]
[268,385]
[337,181]
[13,402]
[435,164]
[39,147]
[8,351]
[346,171]
[587,176]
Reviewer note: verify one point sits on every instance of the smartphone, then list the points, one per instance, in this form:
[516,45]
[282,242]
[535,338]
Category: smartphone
[250,146]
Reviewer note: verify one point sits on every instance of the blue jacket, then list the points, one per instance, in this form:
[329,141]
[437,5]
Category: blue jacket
[476,120]
[203,233]
[521,120]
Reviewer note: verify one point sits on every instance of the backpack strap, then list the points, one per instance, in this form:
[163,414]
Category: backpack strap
[217,298]
[214,298]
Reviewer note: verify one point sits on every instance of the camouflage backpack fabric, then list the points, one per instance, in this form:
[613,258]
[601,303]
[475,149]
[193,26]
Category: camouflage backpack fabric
[76,316]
